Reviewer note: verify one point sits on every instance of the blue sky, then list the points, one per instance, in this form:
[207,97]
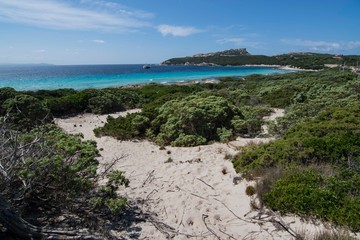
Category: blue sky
[151,31]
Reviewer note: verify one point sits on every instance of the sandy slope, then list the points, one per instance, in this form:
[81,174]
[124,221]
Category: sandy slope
[193,190]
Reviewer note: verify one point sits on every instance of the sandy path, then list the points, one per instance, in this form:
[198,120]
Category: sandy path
[190,189]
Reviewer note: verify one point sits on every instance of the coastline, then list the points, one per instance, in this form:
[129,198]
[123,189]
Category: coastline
[85,77]
[283,67]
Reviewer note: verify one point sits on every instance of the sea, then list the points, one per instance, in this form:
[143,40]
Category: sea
[48,77]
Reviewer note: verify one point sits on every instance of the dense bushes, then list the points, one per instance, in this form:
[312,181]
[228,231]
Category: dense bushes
[25,112]
[332,137]
[191,121]
[64,102]
[93,100]
[5,94]
[124,128]
[53,167]
[321,129]
[306,192]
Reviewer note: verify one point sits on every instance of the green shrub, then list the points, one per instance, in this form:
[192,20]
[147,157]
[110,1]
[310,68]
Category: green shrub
[306,192]
[186,140]
[250,190]
[25,112]
[5,94]
[124,128]
[332,137]
[57,166]
[67,105]
[106,197]
[105,103]
[224,134]
[194,116]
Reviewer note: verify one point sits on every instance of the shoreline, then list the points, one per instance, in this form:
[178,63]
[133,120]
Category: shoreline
[165,75]
[283,67]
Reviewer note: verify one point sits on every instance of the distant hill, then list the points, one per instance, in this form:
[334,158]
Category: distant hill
[232,57]
[24,64]
[226,53]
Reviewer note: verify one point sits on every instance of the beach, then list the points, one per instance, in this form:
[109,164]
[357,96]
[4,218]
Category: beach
[187,192]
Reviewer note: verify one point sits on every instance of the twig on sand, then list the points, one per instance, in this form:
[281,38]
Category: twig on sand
[149,177]
[206,183]
[165,229]
[169,231]
[284,225]
[227,234]
[262,219]
[278,220]
[233,212]
[204,216]
[153,191]
[198,196]
[182,217]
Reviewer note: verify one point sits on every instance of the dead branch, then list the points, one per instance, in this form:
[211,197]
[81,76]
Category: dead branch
[149,177]
[242,219]
[153,191]
[204,217]
[226,234]
[22,229]
[182,218]
[198,196]
[286,227]
[109,166]
[206,183]
[276,219]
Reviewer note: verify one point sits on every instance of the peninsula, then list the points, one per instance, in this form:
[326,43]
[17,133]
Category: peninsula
[236,57]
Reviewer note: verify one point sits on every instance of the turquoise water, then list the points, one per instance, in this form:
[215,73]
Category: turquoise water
[101,76]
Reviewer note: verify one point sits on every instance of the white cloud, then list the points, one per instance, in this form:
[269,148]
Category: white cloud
[177,31]
[39,50]
[354,44]
[98,41]
[236,41]
[323,46]
[55,14]
[118,8]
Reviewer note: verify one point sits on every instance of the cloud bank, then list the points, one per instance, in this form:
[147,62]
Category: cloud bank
[177,31]
[98,41]
[323,46]
[73,15]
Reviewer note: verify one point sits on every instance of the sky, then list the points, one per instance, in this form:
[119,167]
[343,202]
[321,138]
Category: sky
[69,32]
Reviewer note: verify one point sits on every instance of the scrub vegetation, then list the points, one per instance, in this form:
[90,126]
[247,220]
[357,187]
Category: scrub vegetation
[312,169]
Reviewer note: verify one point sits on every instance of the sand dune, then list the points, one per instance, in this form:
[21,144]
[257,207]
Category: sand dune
[191,192]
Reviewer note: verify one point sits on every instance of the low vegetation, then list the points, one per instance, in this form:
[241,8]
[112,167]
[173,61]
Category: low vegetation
[46,174]
[314,164]
[312,169]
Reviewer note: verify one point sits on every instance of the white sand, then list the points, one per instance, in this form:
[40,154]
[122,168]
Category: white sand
[190,189]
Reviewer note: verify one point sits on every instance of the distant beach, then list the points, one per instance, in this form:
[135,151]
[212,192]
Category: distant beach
[101,76]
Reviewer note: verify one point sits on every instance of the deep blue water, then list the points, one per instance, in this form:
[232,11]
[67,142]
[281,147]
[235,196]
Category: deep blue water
[101,76]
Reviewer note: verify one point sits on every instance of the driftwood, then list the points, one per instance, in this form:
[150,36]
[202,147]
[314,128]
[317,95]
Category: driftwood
[21,229]
[15,224]
[149,178]
[206,183]
[204,217]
